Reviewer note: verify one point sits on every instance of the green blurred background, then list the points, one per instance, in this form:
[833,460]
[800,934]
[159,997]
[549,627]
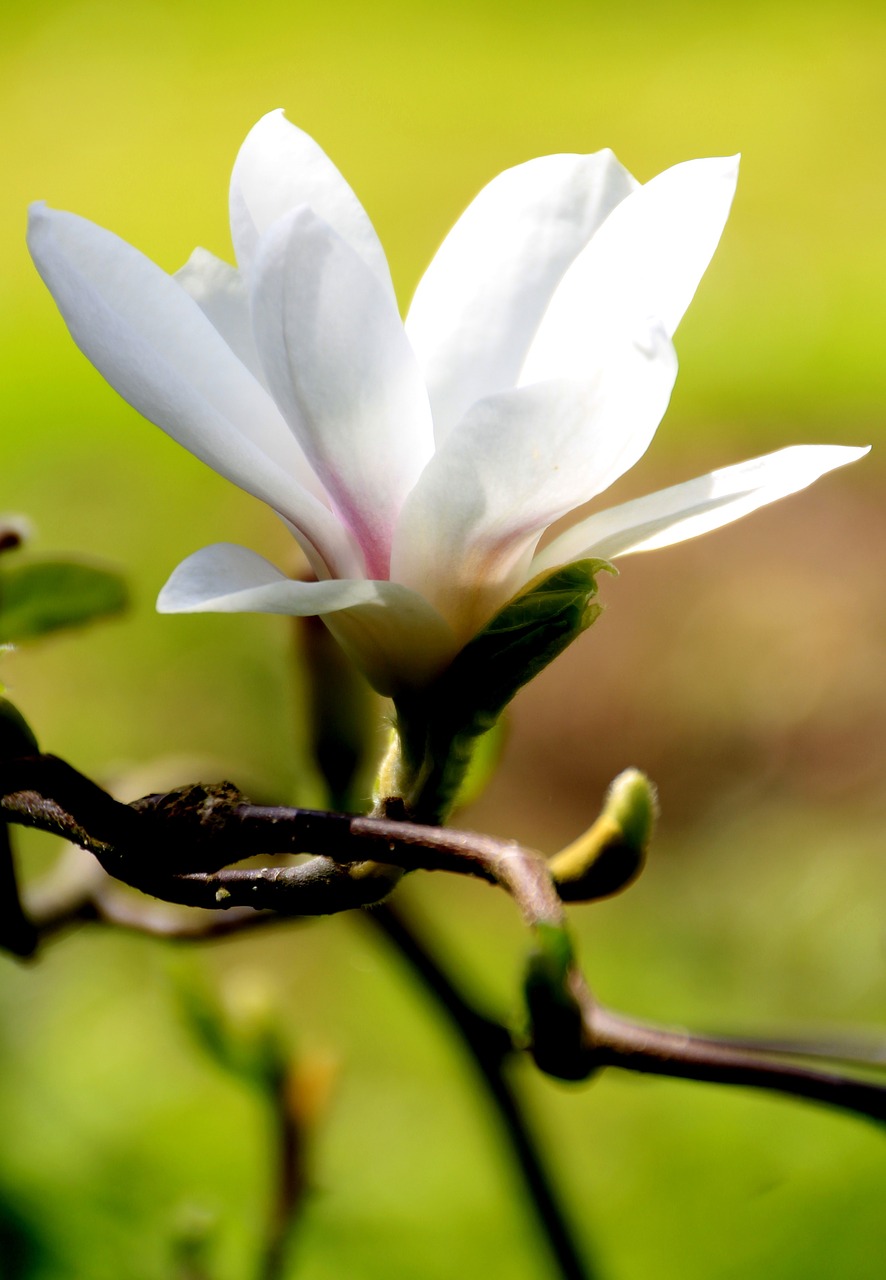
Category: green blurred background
[744,672]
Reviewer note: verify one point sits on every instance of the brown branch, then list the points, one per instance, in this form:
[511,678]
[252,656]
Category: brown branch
[617,1041]
[77,891]
[289,1137]
[179,848]
[134,916]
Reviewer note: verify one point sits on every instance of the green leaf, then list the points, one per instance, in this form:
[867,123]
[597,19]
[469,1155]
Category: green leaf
[50,595]
[439,727]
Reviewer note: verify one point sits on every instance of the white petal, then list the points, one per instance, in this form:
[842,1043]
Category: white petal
[479,304]
[340,367]
[221,294]
[696,506]
[156,348]
[278,168]
[392,633]
[646,260]
[516,463]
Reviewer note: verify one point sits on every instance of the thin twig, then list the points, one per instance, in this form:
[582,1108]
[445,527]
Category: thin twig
[619,1042]
[858,1049]
[491,1049]
[290,1177]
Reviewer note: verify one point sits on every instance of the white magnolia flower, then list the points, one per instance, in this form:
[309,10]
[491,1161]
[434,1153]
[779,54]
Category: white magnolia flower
[417,466]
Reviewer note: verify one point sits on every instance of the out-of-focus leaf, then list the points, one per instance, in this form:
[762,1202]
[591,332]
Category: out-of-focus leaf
[237,1028]
[53,594]
[194,1234]
[23,1252]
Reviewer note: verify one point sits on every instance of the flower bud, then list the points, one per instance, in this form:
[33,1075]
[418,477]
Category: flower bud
[611,853]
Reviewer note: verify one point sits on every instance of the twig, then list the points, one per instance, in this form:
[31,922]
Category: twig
[177,847]
[491,1049]
[290,1179]
[619,1042]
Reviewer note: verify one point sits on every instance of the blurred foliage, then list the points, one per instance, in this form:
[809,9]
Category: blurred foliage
[45,596]
[744,673]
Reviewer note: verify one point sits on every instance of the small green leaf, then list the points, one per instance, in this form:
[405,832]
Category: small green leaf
[51,595]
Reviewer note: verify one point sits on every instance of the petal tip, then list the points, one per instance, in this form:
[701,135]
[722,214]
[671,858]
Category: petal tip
[39,214]
[166,599]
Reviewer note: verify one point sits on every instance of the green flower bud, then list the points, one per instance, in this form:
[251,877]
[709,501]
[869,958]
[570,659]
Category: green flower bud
[611,853]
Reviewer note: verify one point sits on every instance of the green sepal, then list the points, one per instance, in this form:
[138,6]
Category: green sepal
[50,595]
[439,726]
[532,629]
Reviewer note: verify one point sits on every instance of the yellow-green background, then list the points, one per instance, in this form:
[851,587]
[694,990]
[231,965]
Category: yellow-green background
[745,672]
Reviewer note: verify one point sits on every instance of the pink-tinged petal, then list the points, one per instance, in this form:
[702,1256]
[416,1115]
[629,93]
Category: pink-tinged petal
[394,636]
[477,308]
[154,345]
[278,168]
[517,462]
[646,260]
[340,368]
[697,506]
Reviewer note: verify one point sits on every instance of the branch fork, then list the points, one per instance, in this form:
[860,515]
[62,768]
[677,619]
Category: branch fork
[180,847]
